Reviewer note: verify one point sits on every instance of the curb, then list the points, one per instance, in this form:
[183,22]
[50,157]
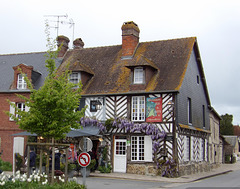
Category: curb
[213,175]
[173,180]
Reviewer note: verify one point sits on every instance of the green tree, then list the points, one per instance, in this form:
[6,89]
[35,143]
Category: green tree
[52,108]
[226,126]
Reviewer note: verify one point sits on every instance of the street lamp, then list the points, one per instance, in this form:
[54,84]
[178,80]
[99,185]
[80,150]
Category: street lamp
[98,105]
[170,105]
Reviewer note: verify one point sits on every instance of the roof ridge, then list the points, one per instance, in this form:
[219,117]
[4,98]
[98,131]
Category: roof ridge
[174,39]
[23,53]
[94,47]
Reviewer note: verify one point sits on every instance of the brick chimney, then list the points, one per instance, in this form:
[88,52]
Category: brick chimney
[78,43]
[62,40]
[130,38]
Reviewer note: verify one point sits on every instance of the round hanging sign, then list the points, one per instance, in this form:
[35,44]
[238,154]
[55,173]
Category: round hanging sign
[84,159]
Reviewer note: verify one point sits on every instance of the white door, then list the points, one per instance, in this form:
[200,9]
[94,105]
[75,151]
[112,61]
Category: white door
[120,156]
[18,147]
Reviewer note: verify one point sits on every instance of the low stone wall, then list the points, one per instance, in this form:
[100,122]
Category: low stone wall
[142,169]
[196,167]
[184,169]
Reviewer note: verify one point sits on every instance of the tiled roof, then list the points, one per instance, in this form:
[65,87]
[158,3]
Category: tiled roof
[8,61]
[111,73]
[231,139]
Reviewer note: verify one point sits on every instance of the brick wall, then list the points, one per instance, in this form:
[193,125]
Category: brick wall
[25,69]
[129,44]
[7,127]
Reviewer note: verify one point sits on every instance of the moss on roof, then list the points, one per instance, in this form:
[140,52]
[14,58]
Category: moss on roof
[111,74]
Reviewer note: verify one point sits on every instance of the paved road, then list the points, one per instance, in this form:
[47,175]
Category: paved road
[225,181]
[111,183]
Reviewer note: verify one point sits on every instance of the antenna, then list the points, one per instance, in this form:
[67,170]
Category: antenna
[70,22]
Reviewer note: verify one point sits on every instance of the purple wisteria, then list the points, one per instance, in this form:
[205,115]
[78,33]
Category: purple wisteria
[86,121]
[156,134]
[128,126]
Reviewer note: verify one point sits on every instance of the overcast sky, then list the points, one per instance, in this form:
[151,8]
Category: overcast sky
[215,23]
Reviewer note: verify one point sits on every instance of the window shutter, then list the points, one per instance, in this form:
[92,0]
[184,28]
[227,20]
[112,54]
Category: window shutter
[11,111]
[186,148]
[192,150]
[206,150]
[148,148]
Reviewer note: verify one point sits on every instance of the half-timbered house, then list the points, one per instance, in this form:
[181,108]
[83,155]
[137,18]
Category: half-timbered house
[158,86]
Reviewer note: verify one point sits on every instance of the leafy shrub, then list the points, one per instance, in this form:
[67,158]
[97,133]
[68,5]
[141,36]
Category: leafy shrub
[92,164]
[227,159]
[104,169]
[19,161]
[5,165]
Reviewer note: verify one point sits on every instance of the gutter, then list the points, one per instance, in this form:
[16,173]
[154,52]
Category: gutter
[15,91]
[130,93]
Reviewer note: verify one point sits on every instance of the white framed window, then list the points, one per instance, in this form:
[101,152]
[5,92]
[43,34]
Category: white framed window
[21,83]
[138,108]
[75,77]
[21,106]
[141,148]
[138,75]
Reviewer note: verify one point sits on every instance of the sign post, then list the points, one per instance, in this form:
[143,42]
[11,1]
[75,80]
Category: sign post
[84,158]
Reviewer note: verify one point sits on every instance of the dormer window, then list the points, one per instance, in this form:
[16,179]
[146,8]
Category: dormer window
[138,75]
[75,77]
[21,83]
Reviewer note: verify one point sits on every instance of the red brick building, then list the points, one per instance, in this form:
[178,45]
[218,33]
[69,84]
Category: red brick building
[11,83]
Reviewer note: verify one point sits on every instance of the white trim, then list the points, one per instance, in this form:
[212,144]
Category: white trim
[12,111]
[75,76]
[21,83]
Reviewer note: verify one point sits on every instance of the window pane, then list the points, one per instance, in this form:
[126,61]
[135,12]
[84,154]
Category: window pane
[21,83]
[75,77]
[138,75]
[137,148]
[138,108]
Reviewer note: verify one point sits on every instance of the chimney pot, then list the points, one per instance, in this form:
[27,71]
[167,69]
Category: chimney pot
[78,43]
[62,40]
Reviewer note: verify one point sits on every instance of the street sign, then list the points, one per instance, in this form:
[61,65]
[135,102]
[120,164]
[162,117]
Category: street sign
[89,144]
[84,159]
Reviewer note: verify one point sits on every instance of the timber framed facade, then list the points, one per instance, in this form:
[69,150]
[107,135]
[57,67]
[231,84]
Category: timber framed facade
[159,87]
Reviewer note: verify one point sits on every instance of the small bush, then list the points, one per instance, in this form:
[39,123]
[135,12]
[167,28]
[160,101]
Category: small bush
[104,169]
[227,159]
[5,165]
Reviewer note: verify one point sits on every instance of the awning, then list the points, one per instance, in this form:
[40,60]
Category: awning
[85,131]
[24,133]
